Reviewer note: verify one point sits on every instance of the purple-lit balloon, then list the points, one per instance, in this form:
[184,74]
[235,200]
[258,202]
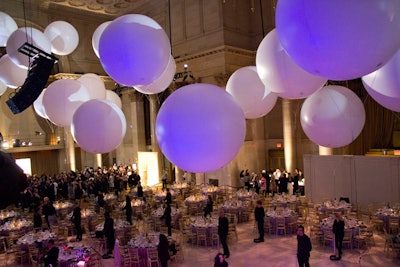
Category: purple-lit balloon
[200,128]
[38,105]
[94,84]
[383,85]
[250,93]
[341,39]
[280,74]
[333,116]
[103,118]
[162,82]
[134,50]
[21,36]
[62,98]
[12,74]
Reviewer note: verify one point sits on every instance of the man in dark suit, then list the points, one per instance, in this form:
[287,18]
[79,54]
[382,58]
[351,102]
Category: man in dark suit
[52,255]
[167,217]
[109,234]
[223,227]
[76,219]
[259,215]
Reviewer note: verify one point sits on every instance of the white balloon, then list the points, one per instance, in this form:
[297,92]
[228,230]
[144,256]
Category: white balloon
[113,97]
[280,74]
[383,84]
[333,116]
[98,126]
[162,82]
[3,87]
[62,98]
[21,36]
[10,73]
[38,105]
[250,93]
[96,36]
[63,36]
[94,84]
[7,27]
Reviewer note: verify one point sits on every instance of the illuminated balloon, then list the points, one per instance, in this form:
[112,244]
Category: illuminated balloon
[200,128]
[162,82]
[7,27]
[383,85]
[280,74]
[96,36]
[113,97]
[134,50]
[250,93]
[341,39]
[94,84]
[62,98]
[103,118]
[21,36]
[333,116]
[10,73]
[38,105]
[3,87]
[63,36]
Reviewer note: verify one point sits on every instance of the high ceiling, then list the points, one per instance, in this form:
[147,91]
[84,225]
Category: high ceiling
[109,7]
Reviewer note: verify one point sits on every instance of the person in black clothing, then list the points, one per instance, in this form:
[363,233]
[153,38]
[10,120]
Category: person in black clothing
[219,261]
[209,207]
[128,209]
[223,227]
[76,219]
[52,255]
[139,189]
[49,212]
[167,217]
[338,230]
[303,247]
[37,218]
[163,250]
[296,179]
[168,197]
[259,215]
[109,233]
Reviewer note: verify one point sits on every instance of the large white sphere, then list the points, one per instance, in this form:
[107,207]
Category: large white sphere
[94,84]
[12,74]
[7,27]
[63,36]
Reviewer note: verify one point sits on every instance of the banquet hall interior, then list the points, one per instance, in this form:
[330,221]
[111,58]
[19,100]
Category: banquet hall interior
[94,105]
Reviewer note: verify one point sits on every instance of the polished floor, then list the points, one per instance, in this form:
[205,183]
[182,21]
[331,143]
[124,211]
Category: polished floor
[275,251]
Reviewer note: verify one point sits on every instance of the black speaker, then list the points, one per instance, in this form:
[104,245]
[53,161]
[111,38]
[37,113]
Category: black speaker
[34,84]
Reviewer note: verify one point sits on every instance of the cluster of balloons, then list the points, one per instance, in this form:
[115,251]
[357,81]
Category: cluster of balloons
[59,37]
[92,112]
[135,51]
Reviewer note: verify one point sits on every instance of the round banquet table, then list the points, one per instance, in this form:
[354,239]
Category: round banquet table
[209,223]
[15,225]
[286,213]
[235,207]
[335,206]
[349,223]
[160,196]
[176,214]
[196,203]
[244,195]
[384,214]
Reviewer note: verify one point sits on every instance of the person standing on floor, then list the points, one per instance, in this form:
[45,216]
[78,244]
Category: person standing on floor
[338,230]
[167,217]
[163,250]
[223,228]
[109,234]
[304,247]
[76,219]
[259,215]
[128,209]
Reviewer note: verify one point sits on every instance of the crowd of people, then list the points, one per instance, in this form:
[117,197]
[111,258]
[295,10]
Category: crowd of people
[272,181]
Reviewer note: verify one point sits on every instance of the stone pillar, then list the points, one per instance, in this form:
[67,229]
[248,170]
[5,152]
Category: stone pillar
[179,175]
[154,106]
[70,149]
[99,161]
[325,151]
[289,139]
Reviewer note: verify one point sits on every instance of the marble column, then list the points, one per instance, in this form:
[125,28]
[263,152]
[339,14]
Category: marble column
[289,139]
[154,106]
[99,160]
[70,150]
